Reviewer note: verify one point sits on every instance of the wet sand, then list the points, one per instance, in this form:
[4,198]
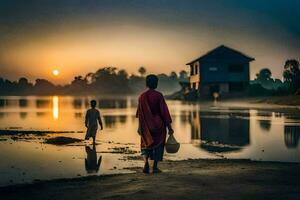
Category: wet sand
[189,179]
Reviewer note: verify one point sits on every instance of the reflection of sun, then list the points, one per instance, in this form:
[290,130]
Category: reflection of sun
[55,107]
[55,72]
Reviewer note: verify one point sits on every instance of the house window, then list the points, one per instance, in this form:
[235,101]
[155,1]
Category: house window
[235,68]
[196,69]
[192,70]
[213,69]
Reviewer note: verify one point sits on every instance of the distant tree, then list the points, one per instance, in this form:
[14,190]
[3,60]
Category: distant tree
[109,80]
[183,75]
[264,75]
[104,73]
[168,84]
[2,86]
[278,84]
[123,81]
[136,83]
[106,80]
[79,80]
[23,81]
[43,86]
[173,75]
[291,75]
[123,73]
[24,86]
[142,70]
[78,85]
[162,76]
[89,77]
[10,85]
[264,78]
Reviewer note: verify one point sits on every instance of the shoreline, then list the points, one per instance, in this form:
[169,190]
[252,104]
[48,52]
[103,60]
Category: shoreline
[289,101]
[187,179]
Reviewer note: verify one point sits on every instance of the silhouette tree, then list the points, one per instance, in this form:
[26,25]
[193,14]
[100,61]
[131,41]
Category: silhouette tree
[79,84]
[3,86]
[136,83]
[264,75]
[168,84]
[142,70]
[173,75]
[43,86]
[291,75]
[123,73]
[106,80]
[183,75]
[23,81]
[123,81]
[89,77]
[264,78]
[24,86]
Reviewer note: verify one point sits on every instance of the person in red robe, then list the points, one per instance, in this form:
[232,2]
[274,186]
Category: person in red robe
[154,120]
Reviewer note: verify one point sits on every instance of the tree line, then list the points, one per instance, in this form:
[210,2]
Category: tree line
[265,84]
[106,80]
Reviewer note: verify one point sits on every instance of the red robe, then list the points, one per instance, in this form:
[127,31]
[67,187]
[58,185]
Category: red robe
[154,116]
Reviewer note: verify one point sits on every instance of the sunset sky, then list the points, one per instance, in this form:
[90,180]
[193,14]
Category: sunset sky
[80,36]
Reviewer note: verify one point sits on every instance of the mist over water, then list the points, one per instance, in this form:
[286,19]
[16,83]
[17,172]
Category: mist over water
[205,130]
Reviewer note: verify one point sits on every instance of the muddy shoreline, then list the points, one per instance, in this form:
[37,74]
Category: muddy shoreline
[188,179]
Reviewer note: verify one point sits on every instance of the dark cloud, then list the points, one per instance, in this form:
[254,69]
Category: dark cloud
[267,16]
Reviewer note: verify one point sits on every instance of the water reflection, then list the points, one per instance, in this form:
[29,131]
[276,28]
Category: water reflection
[291,136]
[123,119]
[184,117]
[113,103]
[42,103]
[265,124]
[23,103]
[2,103]
[201,128]
[55,107]
[23,115]
[195,126]
[78,115]
[112,121]
[77,103]
[41,114]
[219,133]
[92,164]
[2,115]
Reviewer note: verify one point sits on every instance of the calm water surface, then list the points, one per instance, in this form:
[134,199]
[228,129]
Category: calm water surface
[211,130]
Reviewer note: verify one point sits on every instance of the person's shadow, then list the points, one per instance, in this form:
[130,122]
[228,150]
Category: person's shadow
[92,165]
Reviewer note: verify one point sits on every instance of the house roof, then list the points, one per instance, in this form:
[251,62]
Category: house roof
[222,49]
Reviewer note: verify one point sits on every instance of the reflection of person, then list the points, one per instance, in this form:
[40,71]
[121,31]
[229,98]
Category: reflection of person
[154,117]
[291,136]
[92,118]
[91,164]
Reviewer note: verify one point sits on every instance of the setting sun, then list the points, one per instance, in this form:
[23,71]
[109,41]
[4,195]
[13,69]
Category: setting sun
[55,72]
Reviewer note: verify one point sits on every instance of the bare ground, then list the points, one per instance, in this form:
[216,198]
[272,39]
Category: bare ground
[190,179]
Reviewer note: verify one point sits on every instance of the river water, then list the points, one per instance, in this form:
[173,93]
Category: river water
[204,130]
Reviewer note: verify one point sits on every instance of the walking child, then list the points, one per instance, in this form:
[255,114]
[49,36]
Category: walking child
[92,118]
